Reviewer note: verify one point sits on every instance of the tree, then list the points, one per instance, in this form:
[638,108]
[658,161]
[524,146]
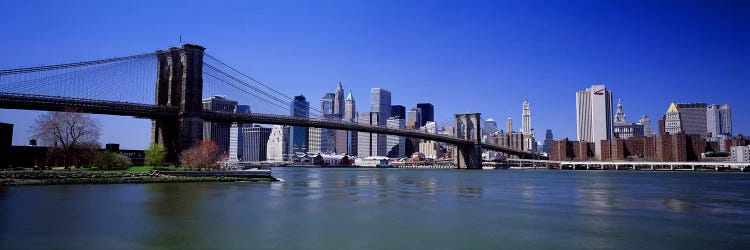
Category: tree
[200,155]
[68,130]
[155,154]
[110,161]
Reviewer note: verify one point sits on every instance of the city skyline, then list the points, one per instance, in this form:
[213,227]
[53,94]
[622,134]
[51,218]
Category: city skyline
[639,74]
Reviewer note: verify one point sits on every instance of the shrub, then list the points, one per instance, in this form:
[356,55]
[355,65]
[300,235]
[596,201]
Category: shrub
[200,155]
[155,155]
[111,161]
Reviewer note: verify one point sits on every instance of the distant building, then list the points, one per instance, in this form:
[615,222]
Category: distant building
[6,141]
[370,144]
[624,129]
[299,135]
[350,115]
[528,132]
[380,103]
[740,153]
[490,126]
[326,103]
[548,138]
[508,125]
[427,112]
[594,115]
[236,140]
[218,132]
[648,128]
[430,149]
[339,105]
[256,143]
[693,119]
[396,145]
[565,150]
[414,118]
[398,111]
[430,127]
[719,121]
[278,144]
[322,140]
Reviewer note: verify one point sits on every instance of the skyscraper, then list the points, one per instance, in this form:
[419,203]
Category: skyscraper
[256,143]
[236,138]
[693,118]
[350,115]
[526,118]
[672,122]
[298,135]
[338,101]
[648,127]
[428,112]
[321,140]
[398,111]
[508,125]
[719,118]
[622,128]
[218,132]
[278,144]
[370,144]
[326,103]
[414,118]
[380,103]
[548,139]
[594,116]
[490,126]
[396,145]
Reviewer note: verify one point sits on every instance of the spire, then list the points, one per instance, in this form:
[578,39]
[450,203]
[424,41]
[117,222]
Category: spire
[672,107]
[620,116]
[339,87]
[349,96]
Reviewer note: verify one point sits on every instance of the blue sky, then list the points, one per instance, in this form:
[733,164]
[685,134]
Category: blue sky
[463,56]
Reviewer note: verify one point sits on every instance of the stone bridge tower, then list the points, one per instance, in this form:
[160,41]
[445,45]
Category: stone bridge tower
[179,84]
[469,156]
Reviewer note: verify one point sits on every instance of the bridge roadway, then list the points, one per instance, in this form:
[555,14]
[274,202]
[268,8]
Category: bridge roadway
[149,111]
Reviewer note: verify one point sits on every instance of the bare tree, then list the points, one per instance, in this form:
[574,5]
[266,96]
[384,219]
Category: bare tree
[201,155]
[68,130]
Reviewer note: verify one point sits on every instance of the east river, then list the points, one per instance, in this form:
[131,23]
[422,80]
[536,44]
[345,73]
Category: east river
[390,209]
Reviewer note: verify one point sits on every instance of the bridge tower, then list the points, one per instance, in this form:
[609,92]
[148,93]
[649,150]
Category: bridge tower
[469,156]
[179,83]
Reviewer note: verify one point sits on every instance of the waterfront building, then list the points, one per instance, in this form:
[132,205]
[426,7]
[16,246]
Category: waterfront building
[299,135]
[624,129]
[236,140]
[490,126]
[322,140]
[380,103]
[277,147]
[740,153]
[430,149]
[594,115]
[648,128]
[398,111]
[414,118]
[566,150]
[370,144]
[396,145]
[427,113]
[218,132]
[256,143]
[719,121]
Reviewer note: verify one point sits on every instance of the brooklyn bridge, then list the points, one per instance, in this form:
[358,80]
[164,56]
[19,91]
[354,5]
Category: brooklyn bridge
[124,86]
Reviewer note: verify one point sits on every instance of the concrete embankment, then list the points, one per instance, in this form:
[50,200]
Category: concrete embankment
[94,177]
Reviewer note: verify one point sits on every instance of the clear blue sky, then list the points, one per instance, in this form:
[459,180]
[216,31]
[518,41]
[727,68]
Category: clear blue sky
[463,56]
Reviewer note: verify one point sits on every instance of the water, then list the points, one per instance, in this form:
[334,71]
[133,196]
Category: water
[390,209]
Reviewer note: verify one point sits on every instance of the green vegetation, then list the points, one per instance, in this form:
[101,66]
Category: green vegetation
[134,169]
[111,161]
[155,154]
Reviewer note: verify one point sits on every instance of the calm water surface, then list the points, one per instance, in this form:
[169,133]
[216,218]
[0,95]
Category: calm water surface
[390,209]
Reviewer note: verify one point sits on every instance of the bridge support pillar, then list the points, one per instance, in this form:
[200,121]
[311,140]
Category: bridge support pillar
[179,83]
[468,127]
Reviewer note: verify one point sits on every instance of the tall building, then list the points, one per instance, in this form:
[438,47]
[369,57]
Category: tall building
[298,135]
[719,121]
[648,128]
[526,130]
[236,140]
[428,112]
[256,143]
[548,139]
[490,126]
[414,118]
[350,115]
[370,144]
[398,111]
[396,145]
[380,103]
[508,125]
[326,103]
[693,118]
[624,129]
[350,110]
[594,116]
[278,144]
[338,100]
[672,122]
[218,132]
[321,140]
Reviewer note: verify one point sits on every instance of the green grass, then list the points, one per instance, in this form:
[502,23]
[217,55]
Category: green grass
[134,169]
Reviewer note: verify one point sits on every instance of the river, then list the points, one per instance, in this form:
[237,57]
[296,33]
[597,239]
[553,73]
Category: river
[390,209]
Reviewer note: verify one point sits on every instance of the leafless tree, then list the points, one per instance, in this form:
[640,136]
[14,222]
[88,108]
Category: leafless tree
[68,131]
[200,155]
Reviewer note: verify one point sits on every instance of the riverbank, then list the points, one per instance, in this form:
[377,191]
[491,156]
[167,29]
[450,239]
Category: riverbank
[12,178]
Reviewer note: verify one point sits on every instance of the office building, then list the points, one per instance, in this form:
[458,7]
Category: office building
[299,135]
[370,144]
[322,140]
[339,105]
[236,140]
[490,126]
[740,153]
[277,148]
[594,115]
[548,138]
[624,129]
[398,111]
[350,115]
[396,145]
[508,125]
[672,121]
[427,112]
[693,119]
[430,149]
[719,121]
[218,132]
[414,118]
[528,132]
[326,103]
[380,103]
[256,143]
[648,128]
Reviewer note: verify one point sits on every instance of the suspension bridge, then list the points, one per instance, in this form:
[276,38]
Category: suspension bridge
[184,75]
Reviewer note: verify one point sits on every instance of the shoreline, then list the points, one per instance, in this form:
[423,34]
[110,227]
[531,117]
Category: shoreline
[33,178]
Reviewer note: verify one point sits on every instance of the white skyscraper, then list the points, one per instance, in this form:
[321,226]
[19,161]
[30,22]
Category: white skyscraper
[526,130]
[277,146]
[594,115]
